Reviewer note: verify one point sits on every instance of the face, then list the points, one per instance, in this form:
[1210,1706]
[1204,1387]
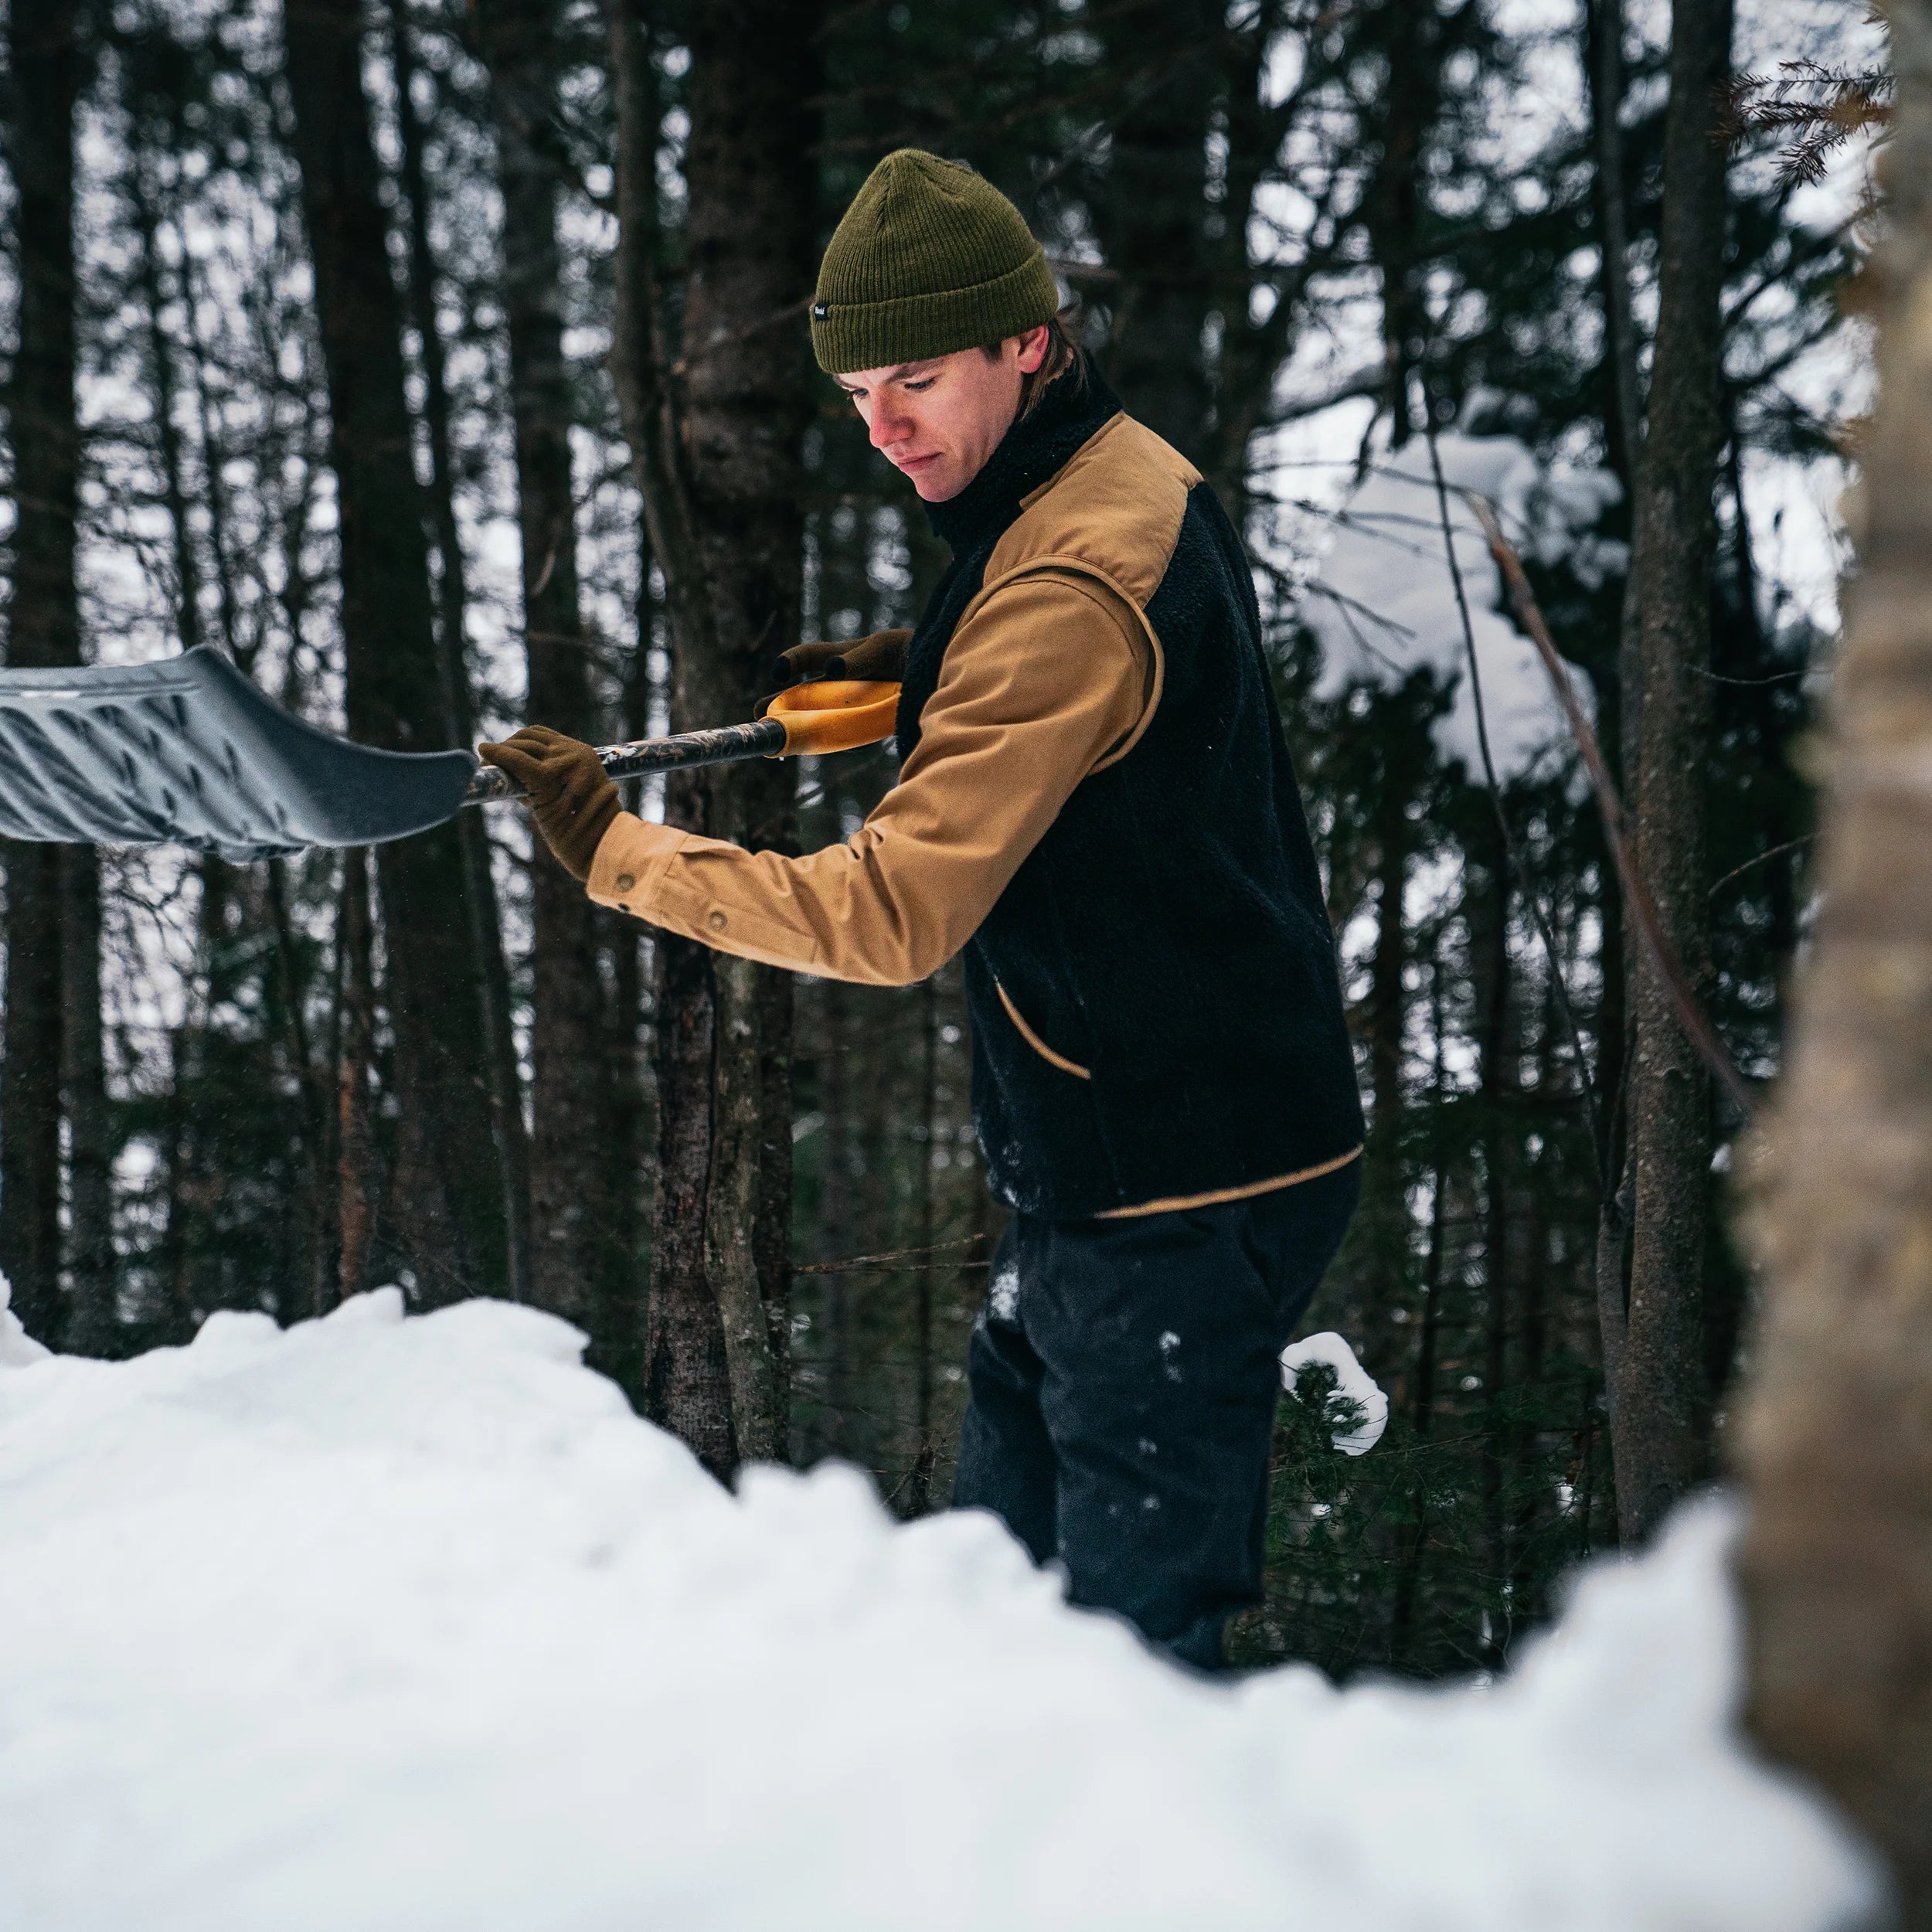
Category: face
[940,420]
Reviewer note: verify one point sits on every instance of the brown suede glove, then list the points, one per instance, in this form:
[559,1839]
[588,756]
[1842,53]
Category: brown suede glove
[881,656]
[571,800]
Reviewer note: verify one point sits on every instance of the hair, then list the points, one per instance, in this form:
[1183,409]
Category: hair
[1062,353]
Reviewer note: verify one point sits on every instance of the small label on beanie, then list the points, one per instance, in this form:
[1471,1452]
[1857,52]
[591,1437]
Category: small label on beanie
[819,311]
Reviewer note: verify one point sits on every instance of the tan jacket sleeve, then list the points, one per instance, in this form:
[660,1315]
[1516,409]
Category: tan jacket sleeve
[1053,675]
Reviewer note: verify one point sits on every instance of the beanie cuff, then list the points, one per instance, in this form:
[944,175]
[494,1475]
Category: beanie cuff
[913,328]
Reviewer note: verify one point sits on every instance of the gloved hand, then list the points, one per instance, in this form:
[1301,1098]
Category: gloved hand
[571,800]
[881,656]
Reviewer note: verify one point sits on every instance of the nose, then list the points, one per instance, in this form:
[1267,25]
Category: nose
[890,422]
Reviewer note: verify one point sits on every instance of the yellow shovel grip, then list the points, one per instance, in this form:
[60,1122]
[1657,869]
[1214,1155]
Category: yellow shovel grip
[836,714]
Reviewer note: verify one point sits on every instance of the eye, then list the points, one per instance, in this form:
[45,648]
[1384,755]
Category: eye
[924,383]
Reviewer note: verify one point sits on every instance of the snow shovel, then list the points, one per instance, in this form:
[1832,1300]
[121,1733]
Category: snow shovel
[187,752]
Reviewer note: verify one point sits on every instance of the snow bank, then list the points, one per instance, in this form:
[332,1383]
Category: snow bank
[407,1626]
[1384,605]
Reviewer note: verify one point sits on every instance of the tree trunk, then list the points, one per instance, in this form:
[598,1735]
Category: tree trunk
[171,1320]
[576,1270]
[30,1090]
[94,1313]
[1532,1498]
[355,1190]
[715,442]
[167,430]
[43,630]
[307,1294]
[176,138]
[1662,1404]
[1398,726]
[1836,1436]
[920,1488]
[453,1200]
[1623,403]
[194,1180]
[1423,1397]
[1412,98]
[1619,684]
[1386,1023]
[627,1156]
[1249,350]
[1393,209]
[835,1049]
[1154,214]
[1490,942]
[452,652]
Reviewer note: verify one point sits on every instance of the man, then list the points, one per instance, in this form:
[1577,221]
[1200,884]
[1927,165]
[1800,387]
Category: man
[1096,805]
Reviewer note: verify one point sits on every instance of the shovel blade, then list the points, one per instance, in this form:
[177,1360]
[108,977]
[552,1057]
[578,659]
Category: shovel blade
[187,752]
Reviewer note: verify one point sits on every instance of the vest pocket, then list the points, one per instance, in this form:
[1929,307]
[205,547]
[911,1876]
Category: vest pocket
[1033,1040]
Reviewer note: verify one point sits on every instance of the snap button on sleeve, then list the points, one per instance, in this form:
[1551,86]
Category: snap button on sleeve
[626,880]
[717,922]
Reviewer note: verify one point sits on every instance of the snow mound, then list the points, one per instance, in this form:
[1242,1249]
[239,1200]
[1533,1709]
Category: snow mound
[409,1626]
[1352,1380]
[1384,604]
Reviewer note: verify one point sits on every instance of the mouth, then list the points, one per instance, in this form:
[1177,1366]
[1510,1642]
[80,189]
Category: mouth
[912,464]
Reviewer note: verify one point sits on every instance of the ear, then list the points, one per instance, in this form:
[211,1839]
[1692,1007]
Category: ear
[1032,350]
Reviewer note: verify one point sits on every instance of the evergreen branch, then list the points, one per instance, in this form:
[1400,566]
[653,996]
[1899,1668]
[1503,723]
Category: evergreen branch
[898,1259]
[1820,106]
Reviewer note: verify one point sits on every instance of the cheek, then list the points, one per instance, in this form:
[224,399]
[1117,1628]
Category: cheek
[963,426]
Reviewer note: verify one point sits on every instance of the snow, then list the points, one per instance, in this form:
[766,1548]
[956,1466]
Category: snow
[406,1624]
[1002,1298]
[1353,1382]
[1384,605]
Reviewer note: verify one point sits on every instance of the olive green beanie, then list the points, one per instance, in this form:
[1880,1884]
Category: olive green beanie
[929,258]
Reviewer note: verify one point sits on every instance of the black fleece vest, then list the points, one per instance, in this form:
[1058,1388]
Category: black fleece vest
[1155,1002]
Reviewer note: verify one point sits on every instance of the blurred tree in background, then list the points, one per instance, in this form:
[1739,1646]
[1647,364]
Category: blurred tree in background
[446,366]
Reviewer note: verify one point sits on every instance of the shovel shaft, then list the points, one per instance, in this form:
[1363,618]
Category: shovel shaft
[764,739]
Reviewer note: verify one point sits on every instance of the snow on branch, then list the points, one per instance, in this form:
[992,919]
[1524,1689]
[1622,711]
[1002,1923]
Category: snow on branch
[1382,606]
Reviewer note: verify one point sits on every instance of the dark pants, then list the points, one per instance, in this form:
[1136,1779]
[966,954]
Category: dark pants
[1124,1380]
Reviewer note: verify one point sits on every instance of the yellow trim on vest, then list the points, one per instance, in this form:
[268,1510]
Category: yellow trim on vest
[1033,1040]
[1220,1195]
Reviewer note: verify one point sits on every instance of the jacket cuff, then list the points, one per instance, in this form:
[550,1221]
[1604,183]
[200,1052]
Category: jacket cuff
[631,861]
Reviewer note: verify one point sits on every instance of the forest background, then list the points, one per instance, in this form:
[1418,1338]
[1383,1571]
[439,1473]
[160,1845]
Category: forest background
[446,367]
